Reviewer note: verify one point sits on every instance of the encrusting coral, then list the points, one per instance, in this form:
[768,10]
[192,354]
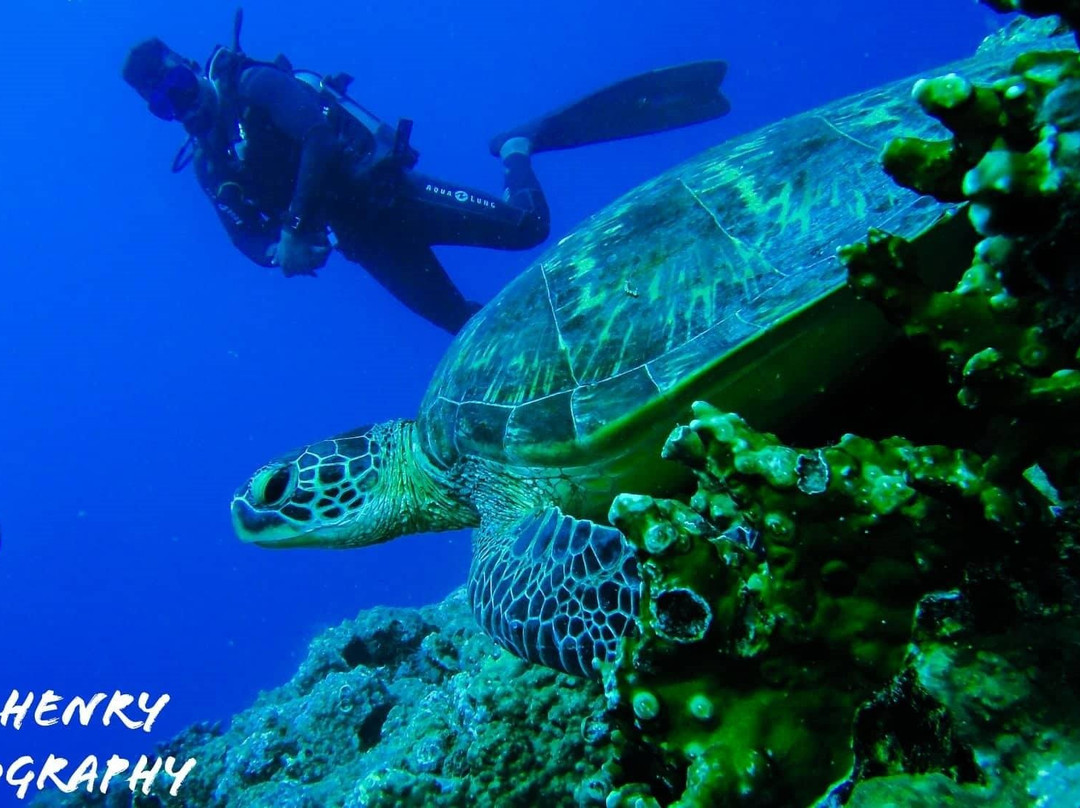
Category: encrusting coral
[875,621]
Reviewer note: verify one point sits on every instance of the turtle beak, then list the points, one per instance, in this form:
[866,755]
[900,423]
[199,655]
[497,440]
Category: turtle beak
[266,528]
[254,526]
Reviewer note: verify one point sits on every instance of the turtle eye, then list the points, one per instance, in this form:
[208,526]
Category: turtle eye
[272,487]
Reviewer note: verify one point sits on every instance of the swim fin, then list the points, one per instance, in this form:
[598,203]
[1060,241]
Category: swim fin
[656,101]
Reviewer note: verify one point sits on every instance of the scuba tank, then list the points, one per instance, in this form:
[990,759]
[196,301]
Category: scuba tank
[356,124]
[364,134]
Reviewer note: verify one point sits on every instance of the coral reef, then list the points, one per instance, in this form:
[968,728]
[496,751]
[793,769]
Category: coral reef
[778,613]
[1010,329]
[874,621]
[400,707]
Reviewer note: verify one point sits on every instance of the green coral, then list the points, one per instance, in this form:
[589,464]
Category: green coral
[776,655]
[1010,328]
[784,597]
[1015,146]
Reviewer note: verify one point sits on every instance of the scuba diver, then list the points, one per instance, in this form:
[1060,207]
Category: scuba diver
[288,160]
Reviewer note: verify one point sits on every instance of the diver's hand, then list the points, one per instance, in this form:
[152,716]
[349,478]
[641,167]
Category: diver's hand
[297,254]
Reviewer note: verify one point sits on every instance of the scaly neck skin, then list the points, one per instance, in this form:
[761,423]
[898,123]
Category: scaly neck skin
[417,497]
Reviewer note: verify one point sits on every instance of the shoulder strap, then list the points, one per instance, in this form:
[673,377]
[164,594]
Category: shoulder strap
[184,155]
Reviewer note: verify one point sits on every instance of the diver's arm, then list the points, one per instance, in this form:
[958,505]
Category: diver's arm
[250,231]
[297,111]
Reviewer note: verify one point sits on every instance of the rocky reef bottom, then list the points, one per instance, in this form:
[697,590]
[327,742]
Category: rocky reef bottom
[398,707]
[404,707]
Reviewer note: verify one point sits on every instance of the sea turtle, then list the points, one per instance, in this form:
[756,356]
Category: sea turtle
[717,280]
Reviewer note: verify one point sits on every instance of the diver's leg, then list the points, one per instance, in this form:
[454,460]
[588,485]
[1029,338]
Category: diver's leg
[523,189]
[445,213]
[656,101]
[410,272]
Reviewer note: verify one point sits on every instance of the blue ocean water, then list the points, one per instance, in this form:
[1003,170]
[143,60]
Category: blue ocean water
[146,368]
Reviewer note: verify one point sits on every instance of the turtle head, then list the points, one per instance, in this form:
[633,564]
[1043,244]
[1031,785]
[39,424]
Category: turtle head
[339,492]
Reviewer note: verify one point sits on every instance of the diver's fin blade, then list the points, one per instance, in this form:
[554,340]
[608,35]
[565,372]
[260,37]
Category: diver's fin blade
[668,98]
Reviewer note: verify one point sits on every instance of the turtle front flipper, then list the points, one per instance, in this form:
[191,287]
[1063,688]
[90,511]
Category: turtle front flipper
[554,589]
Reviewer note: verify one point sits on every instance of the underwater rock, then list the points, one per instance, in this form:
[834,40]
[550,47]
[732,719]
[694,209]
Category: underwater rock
[1009,692]
[400,707]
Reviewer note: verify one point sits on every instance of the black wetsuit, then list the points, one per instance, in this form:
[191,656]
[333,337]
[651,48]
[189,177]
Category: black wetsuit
[294,165]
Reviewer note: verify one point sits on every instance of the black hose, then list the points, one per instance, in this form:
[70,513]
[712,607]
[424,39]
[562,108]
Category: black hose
[238,22]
